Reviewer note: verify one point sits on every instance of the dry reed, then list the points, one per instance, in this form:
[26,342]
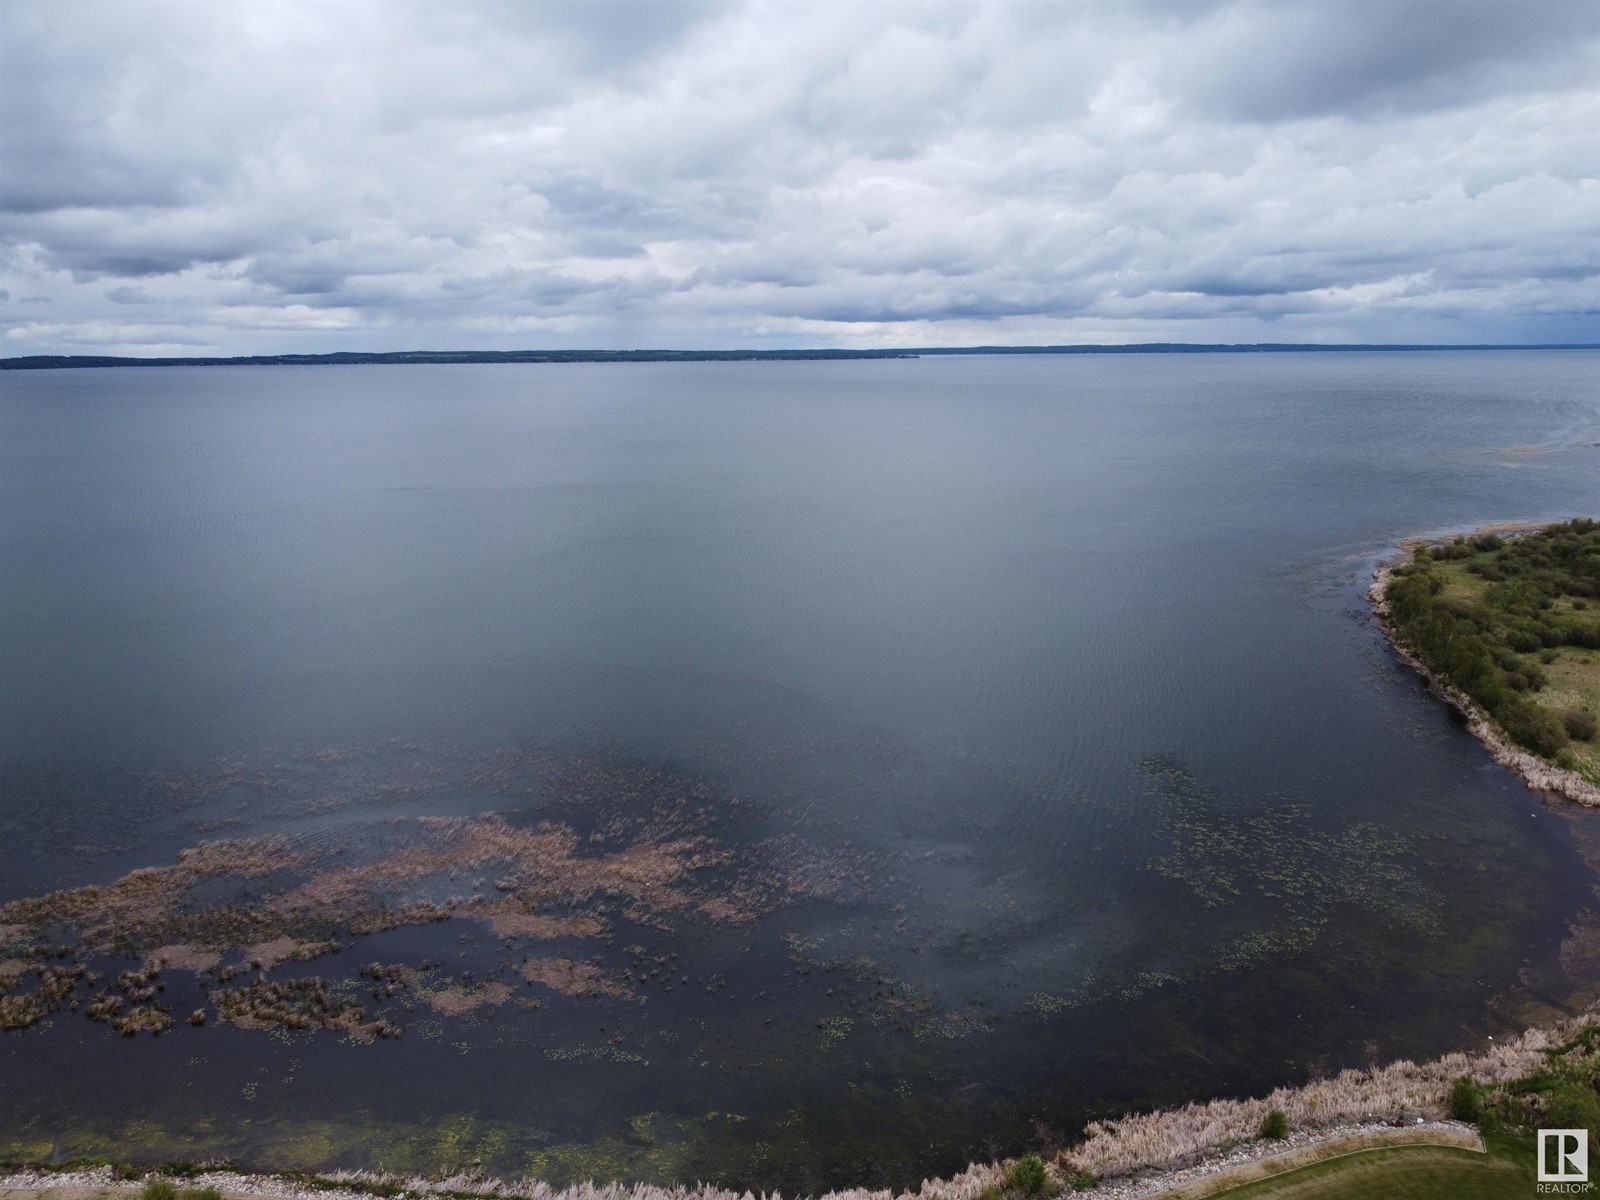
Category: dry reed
[1175,1137]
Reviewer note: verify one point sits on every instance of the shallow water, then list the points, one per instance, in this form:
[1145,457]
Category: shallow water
[1045,684]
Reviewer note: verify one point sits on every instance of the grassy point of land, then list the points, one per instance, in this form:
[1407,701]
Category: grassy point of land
[1508,627]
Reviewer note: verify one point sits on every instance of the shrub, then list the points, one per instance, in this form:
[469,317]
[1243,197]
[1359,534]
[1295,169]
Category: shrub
[1464,1103]
[1581,726]
[1028,1175]
[1573,1106]
[1536,729]
[1275,1125]
[160,1189]
[205,1193]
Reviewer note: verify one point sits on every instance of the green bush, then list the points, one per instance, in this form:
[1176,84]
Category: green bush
[1028,1175]
[205,1193]
[1275,1125]
[1464,1100]
[1581,726]
[1573,1106]
[1534,728]
[160,1189]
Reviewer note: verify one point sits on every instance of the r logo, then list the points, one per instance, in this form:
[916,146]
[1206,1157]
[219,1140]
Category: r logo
[1563,1155]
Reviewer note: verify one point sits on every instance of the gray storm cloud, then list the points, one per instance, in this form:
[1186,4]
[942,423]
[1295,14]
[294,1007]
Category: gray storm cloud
[238,178]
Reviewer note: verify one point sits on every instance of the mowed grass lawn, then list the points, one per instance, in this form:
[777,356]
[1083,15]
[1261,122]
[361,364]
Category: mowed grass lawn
[1398,1173]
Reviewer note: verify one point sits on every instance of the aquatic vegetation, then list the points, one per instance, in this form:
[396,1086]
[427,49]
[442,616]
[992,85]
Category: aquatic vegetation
[184,957]
[1047,1005]
[265,955]
[590,907]
[53,990]
[834,1031]
[459,1000]
[302,1004]
[1276,880]
[1289,875]
[19,1012]
[570,977]
[637,850]
[153,1019]
[510,921]
[607,1053]
[1277,856]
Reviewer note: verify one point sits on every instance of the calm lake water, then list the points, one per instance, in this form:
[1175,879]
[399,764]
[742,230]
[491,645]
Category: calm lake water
[1054,676]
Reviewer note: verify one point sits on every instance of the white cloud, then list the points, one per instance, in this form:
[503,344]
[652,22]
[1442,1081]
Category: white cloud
[294,177]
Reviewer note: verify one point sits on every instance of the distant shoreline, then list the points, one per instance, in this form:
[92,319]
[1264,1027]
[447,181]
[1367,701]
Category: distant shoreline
[49,362]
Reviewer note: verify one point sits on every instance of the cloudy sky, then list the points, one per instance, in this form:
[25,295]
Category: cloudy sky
[244,177]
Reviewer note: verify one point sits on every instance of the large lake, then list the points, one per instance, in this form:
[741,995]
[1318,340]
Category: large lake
[1014,726]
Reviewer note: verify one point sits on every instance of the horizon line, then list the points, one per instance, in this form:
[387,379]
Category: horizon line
[423,357]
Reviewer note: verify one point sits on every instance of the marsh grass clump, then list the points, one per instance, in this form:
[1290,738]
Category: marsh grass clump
[19,1012]
[155,1020]
[298,1004]
[54,988]
[159,1189]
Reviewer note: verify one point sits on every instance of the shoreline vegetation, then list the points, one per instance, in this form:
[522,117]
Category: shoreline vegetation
[1465,1099]
[1503,623]
[45,362]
